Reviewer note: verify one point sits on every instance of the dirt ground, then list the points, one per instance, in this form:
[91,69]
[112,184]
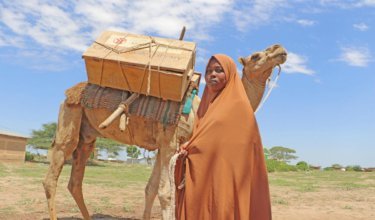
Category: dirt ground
[23,198]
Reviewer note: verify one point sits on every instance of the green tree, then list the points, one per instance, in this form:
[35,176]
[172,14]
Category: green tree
[284,154]
[133,151]
[42,138]
[112,147]
[336,166]
[266,152]
[302,165]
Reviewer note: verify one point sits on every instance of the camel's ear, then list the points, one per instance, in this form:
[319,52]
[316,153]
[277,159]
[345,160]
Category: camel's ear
[242,61]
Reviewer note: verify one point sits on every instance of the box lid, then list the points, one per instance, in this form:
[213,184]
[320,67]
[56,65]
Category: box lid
[134,49]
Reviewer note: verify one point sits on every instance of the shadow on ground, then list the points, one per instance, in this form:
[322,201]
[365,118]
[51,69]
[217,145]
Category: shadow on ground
[97,217]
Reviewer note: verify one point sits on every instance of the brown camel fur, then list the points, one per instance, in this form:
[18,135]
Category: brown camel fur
[78,129]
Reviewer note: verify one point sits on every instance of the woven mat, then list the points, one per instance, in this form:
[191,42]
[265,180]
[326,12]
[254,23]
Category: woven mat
[152,108]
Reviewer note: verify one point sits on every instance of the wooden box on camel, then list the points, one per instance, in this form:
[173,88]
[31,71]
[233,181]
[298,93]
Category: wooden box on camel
[153,66]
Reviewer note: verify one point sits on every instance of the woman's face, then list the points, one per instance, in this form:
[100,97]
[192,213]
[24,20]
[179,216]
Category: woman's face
[215,76]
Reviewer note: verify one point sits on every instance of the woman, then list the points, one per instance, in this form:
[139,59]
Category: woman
[223,164]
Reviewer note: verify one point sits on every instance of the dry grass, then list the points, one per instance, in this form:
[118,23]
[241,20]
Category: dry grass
[116,191]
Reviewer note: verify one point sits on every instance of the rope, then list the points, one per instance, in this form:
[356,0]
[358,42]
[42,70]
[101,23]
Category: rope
[102,61]
[270,88]
[124,75]
[172,167]
[147,66]
[139,47]
[162,60]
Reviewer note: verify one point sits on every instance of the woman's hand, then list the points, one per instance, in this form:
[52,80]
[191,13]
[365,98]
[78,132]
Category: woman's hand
[182,150]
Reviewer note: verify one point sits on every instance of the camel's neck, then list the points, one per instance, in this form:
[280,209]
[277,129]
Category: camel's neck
[254,90]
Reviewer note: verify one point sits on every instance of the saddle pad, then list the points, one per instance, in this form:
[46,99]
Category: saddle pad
[152,108]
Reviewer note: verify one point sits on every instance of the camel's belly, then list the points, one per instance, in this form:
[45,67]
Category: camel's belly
[141,132]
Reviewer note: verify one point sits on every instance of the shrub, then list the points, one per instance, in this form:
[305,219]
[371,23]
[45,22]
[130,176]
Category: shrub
[302,165]
[349,168]
[357,168]
[336,166]
[29,156]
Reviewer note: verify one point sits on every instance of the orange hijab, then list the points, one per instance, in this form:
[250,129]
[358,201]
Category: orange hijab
[225,172]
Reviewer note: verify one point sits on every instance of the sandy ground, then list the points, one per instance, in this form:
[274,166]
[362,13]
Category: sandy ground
[23,198]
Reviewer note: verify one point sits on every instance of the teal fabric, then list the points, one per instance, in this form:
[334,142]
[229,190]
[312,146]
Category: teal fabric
[189,102]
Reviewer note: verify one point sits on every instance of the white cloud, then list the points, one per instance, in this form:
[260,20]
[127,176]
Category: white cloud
[348,4]
[74,24]
[10,40]
[363,3]
[361,26]
[355,56]
[272,84]
[296,64]
[45,23]
[305,22]
[256,12]
[203,81]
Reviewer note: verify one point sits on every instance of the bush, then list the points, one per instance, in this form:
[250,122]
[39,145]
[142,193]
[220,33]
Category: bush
[29,156]
[274,165]
[357,168]
[349,168]
[336,166]
[302,165]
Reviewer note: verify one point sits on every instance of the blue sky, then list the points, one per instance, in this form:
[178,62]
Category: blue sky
[323,105]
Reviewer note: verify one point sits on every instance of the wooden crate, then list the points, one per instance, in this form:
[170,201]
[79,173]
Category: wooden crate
[148,65]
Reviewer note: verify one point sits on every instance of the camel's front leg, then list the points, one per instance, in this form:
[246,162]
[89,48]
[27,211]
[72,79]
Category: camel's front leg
[50,182]
[165,188]
[152,188]
[67,135]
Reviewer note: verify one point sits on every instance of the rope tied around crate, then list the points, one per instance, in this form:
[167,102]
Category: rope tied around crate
[122,109]
[148,67]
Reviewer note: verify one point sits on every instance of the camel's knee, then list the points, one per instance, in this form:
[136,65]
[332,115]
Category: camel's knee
[63,150]
[151,190]
[74,186]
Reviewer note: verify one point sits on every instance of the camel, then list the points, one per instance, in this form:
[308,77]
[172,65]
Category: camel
[78,128]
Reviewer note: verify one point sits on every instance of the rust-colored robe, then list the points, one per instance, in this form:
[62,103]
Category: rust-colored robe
[225,170]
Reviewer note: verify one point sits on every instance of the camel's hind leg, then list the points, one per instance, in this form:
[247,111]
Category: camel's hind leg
[66,140]
[152,188]
[85,146]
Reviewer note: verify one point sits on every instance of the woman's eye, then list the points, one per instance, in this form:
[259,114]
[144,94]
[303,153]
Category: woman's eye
[219,70]
[216,70]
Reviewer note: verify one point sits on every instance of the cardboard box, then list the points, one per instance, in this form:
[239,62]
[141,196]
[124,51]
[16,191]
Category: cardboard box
[153,66]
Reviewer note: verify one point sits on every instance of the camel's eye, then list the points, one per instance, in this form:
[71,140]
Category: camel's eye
[255,57]
[272,48]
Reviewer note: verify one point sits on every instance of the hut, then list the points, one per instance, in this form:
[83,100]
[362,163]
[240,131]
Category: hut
[12,147]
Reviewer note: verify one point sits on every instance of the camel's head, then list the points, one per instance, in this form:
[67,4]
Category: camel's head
[260,64]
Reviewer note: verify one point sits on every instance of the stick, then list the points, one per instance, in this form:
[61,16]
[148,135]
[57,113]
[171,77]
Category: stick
[121,108]
[182,33]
